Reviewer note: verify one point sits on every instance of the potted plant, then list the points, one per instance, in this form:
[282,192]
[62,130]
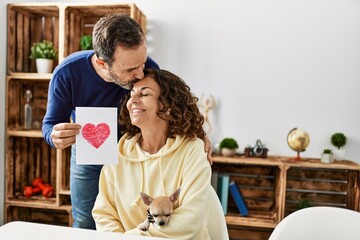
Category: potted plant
[327,156]
[339,140]
[44,53]
[86,42]
[228,147]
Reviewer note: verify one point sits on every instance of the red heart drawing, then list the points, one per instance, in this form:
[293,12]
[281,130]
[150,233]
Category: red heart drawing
[96,135]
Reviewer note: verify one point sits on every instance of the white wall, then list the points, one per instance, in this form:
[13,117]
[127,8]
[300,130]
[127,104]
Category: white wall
[271,65]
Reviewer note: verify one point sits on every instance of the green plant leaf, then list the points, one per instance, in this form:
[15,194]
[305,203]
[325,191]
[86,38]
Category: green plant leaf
[229,143]
[86,42]
[43,49]
[338,140]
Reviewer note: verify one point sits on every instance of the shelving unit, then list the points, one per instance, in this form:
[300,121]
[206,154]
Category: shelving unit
[273,186]
[27,154]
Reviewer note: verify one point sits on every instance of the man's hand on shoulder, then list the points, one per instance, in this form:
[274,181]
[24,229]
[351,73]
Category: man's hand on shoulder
[207,148]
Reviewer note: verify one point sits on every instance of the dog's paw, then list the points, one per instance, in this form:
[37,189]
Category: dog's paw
[144,226]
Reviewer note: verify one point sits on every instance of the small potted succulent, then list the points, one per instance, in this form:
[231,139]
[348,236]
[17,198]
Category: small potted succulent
[327,156]
[228,147]
[44,53]
[339,140]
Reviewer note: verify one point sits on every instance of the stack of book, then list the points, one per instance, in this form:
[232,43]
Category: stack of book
[223,185]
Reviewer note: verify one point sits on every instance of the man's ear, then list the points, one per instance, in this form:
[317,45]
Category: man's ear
[175,195]
[101,63]
[146,198]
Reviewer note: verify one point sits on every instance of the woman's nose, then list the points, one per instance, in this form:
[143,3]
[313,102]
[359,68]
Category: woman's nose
[134,99]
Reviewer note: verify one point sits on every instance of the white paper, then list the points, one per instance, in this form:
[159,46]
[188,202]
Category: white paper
[97,141]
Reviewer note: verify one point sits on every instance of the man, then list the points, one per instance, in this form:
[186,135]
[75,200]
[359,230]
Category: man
[98,78]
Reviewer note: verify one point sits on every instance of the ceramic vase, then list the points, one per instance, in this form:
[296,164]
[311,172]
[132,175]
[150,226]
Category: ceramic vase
[44,65]
[327,157]
[228,152]
[339,154]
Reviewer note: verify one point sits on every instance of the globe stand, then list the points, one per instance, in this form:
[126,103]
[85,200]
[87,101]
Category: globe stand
[297,158]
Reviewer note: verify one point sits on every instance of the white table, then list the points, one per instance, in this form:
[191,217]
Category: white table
[35,231]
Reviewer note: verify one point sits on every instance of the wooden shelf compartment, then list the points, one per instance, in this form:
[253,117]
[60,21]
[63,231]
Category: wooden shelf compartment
[16,89]
[29,23]
[27,159]
[260,186]
[321,187]
[81,18]
[39,214]
[237,232]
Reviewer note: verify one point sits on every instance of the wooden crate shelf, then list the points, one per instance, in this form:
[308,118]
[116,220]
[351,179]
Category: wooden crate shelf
[28,158]
[39,214]
[80,20]
[27,154]
[320,187]
[273,187]
[260,183]
[29,23]
[16,88]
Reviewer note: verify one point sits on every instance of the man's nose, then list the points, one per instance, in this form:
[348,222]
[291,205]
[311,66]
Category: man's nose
[139,72]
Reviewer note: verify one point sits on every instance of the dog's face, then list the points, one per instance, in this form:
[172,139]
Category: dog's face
[161,207]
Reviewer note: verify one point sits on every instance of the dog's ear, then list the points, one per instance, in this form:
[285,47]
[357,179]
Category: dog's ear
[146,198]
[175,195]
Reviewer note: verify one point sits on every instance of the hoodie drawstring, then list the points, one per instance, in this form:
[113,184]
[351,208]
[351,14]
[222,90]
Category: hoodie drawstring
[135,202]
[161,177]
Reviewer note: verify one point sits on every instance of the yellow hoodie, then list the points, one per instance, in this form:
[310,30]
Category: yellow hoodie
[181,162]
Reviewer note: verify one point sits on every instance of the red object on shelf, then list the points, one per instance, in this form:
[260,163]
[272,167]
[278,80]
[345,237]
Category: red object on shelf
[46,189]
[29,191]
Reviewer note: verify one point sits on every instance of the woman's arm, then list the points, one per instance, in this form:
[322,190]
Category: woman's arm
[104,212]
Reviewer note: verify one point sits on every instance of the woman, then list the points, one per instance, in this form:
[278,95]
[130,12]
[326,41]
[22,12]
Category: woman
[158,153]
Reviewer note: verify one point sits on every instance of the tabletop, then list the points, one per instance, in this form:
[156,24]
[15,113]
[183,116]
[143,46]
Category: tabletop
[19,230]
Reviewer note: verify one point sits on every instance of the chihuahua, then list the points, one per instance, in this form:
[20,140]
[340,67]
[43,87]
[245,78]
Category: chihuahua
[160,209]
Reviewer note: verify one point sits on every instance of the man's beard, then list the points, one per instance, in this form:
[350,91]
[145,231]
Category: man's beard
[115,78]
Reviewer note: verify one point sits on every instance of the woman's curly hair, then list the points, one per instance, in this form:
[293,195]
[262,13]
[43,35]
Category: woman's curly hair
[180,108]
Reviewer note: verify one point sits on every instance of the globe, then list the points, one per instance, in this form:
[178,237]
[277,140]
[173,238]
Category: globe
[298,140]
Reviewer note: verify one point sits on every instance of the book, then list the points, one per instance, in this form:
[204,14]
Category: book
[239,200]
[224,193]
